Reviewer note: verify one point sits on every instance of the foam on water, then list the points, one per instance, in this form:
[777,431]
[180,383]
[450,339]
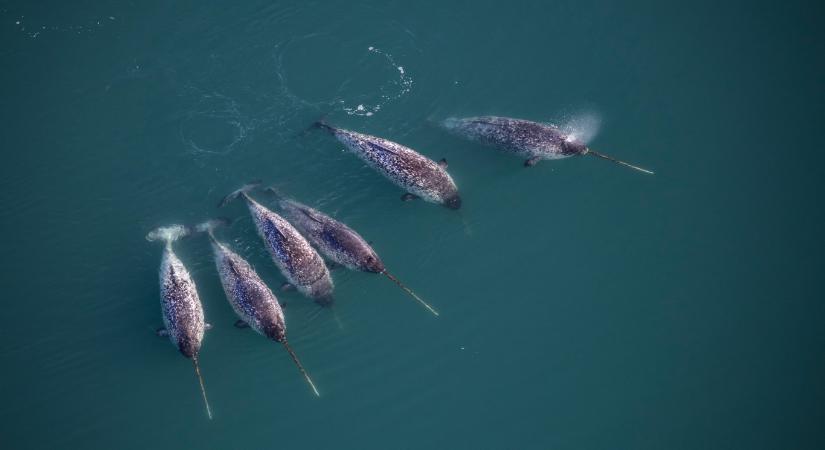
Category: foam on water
[34,28]
[366,105]
[390,91]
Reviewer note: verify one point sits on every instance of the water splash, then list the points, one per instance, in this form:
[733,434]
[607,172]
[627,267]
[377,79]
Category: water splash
[582,127]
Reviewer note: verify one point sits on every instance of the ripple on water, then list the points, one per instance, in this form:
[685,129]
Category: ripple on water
[370,78]
[216,125]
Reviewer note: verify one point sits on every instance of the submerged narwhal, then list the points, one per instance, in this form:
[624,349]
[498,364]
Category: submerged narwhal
[532,140]
[420,176]
[302,266]
[249,296]
[179,302]
[338,242]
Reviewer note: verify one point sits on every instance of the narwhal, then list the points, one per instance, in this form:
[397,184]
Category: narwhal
[297,260]
[249,296]
[179,302]
[532,140]
[420,176]
[338,242]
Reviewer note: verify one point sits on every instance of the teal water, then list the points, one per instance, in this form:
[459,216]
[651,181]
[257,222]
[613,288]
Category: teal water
[584,305]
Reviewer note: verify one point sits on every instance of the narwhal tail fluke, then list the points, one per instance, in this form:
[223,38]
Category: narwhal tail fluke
[610,158]
[168,234]
[209,226]
[238,192]
[203,389]
[300,367]
[322,124]
[409,291]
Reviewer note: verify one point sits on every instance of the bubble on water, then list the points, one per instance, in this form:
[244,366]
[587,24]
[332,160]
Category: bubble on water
[398,84]
[90,27]
[392,90]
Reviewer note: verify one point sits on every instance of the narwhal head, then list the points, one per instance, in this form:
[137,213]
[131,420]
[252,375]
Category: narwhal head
[321,291]
[189,345]
[453,201]
[325,300]
[274,331]
[372,263]
[573,146]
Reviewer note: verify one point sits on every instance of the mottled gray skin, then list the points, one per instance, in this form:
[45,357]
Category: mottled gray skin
[180,305]
[403,166]
[338,242]
[249,296]
[531,140]
[302,266]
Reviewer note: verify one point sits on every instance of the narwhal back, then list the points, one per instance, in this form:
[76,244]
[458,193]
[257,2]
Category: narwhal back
[180,305]
[292,253]
[335,240]
[249,296]
[523,137]
[410,170]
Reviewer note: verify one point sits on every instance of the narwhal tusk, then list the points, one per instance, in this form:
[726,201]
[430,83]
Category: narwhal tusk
[203,390]
[407,290]
[610,158]
[300,367]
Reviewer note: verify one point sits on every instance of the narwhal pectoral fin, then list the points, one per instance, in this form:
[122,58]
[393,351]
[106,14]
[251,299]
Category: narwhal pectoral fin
[532,161]
[162,332]
[322,124]
[442,163]
[207,326]
[407,197]
[241,324]
[286,287]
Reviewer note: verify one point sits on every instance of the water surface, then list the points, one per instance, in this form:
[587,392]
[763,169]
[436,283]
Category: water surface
[583,305]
